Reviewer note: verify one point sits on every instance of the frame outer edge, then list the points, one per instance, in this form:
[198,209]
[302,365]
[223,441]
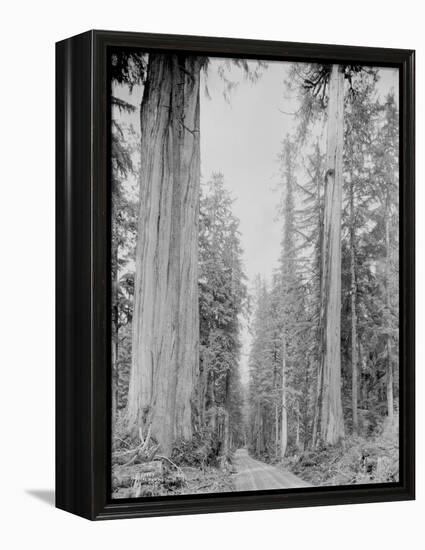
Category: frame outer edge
[407,285]
[82,211]
[74,469]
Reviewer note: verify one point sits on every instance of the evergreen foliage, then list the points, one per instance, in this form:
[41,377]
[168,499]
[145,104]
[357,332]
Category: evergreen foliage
[222,302]
[289,305]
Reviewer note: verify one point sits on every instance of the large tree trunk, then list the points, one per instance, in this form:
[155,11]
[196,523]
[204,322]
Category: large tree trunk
[331,417]
[354,375]
[305,420]
[284,416]
[165,323]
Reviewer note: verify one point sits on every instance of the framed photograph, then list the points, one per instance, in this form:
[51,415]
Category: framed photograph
[235,274]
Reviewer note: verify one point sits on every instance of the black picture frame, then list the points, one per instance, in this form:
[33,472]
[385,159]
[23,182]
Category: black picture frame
[82,275]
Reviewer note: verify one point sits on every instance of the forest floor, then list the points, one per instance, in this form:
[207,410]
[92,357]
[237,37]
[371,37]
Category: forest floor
[165,478]
[244,473]
[186,480]
[141,472]
[359,460]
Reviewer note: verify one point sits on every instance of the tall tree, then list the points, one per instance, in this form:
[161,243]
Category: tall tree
[323,86]
[331,417]
[279,365]
[354,374]
[360,119]
[387,168]
[311,229]
[262,387]
[165,323]
[288,279]
[222,301]
[123,233]
[127,70]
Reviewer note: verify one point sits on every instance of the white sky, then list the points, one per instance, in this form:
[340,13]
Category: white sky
[242,138]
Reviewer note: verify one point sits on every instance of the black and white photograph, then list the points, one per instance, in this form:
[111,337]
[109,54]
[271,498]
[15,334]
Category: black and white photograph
[254,274]
[211,236]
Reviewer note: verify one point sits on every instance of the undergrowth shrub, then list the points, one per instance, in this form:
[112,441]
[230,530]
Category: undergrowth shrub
[358,460]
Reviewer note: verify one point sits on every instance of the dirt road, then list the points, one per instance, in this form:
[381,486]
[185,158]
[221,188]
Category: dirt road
[253,475]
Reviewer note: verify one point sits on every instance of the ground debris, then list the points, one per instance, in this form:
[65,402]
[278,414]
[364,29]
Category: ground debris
[160,479]
[138,470]
[207,480]
[358,461]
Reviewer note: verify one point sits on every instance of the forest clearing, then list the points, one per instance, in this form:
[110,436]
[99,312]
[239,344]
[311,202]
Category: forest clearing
[254,275]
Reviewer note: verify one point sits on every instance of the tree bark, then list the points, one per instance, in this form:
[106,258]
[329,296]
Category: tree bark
[165,322]
[306,407]
[331,417]
[354,360]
